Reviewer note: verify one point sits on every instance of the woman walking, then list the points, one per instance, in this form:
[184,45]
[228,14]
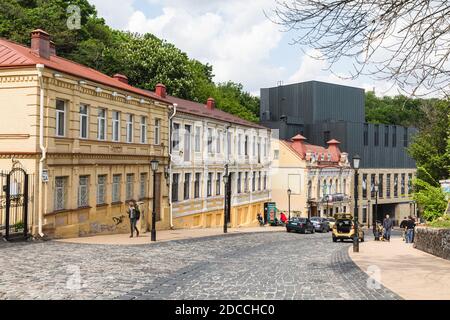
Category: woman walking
[134,214]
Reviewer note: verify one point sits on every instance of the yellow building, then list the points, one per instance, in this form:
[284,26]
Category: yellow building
[318,178]
[87,140]
[204,140]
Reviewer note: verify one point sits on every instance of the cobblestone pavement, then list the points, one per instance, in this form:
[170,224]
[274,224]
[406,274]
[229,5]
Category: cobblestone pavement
[243,266]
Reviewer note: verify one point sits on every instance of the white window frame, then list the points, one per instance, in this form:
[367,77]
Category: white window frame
[210,140]
[83,191]
[176,136]
[198,138]
[115,190]
[130,129]
[218,141]
[61,113]
[157,137]
[101,119]
[143,137]
[84,120]
[63,188]
[116,126]
[101,188]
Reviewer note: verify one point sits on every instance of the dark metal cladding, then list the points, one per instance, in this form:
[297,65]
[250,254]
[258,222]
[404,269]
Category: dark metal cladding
[320,111]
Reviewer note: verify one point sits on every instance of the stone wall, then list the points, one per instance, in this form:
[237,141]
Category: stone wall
[434,241]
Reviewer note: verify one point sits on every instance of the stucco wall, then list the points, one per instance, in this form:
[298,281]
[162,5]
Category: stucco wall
[434,241]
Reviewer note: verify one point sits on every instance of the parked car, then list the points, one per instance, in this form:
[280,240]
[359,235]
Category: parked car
[344,228]
[320,224]
[331,222]
[301,225]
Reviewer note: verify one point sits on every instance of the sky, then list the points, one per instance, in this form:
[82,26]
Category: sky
[234,36]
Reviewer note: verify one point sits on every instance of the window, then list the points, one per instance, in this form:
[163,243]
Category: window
[246,146]
[210,140]
[101,189]
[364,186]
[344,187]
[129,186]
[254,146]
[372,186]
[377,135]
[366,134]
[129,128]
[143,186]
[276,154]
[395,185]
[175,178]
[218,181]
[394,136]
[83,191]
[259,181]
[198,132]
[116,126]
[410,185]
[116,188]
[187,186]
[84,121]
[60,193]
[380,185]
[157,137]
[239,181]
[386,136]
[364,215]
[388,185]
[101,124]
[254,182]
[229,142]
[265,181]
[143,129]
[60,118]
[405,137]
[187,143]
[176,136]
[197,185]
[239,144]
[266,145]
[209,185]
[219,138]
[326,137]
[403,185]
[246,182]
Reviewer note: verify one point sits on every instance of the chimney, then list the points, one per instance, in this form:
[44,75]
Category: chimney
[211,104]
[333,148]
[40,43]
[121,78]
[298,144]
[161,90]
[52,48]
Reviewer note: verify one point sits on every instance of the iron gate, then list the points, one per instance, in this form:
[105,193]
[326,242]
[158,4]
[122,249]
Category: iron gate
[14,203]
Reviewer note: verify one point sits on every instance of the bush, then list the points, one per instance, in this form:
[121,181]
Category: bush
[442,222]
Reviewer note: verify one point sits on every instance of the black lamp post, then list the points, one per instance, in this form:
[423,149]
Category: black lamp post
[289,192]
[375,216]
[154,165]
[356,160]
[226,209]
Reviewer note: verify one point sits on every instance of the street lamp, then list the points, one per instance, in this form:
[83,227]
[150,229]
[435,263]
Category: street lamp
[226,201]
[154,165]
[356,160]
[375,216]
[289,192]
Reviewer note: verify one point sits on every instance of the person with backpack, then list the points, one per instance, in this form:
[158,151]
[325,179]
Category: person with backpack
[388,225]
[134,214]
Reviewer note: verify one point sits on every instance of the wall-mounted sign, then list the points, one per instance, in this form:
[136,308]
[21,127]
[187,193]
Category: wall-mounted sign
[45,175]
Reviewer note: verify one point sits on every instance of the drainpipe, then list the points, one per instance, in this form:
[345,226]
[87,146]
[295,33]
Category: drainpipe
[40,69]
[170,164]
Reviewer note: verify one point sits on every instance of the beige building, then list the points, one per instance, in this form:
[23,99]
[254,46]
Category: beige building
[87,140]
[205,139]
[319,178]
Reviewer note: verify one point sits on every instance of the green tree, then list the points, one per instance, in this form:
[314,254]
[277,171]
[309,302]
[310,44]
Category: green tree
[429,195]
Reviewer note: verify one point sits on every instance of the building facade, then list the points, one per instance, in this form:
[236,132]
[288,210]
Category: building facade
[320,111]
[203,140]
[318,178]
[85,137]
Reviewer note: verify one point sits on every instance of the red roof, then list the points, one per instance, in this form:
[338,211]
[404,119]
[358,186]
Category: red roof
[199,109]
[16,55]
[300,147]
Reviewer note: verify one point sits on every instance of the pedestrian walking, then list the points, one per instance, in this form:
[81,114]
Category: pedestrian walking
[410,225]
[403,227]
[388,225]
[134,214]
[283,218]
[260,219]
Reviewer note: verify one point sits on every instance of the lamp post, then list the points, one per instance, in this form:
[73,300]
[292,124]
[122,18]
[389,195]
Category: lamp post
[154,165]
[289,192]
[226,176]
[375,216]
[356,160]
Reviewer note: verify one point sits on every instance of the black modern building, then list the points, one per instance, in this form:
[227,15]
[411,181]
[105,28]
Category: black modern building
[321,111]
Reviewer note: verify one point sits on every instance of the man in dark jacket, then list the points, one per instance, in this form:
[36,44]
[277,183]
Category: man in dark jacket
[403,225]
[388,225]
[410,226]
[134,214]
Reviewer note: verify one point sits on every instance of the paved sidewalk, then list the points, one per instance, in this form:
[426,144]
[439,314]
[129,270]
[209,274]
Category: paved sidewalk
[167,235]
[411,273]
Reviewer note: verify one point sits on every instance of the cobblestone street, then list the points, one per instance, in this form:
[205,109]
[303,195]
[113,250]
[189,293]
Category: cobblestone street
[241,266]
